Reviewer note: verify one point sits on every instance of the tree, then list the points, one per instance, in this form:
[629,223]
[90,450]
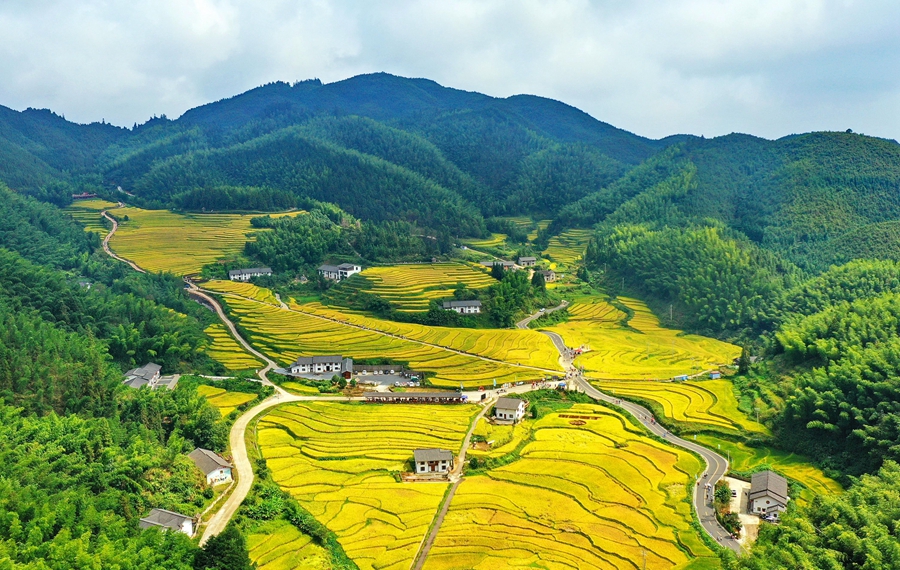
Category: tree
[226,551]
[497,271]
[744,361]
[537,281]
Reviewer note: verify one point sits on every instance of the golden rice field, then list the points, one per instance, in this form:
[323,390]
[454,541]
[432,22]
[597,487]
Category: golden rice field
[568,247]
[651,352]
[87,212]
[515,346]
[596,495]
[160,240]
[279,545]
[496,240]
[285,335]
[704,403]
[223,400]
[243,289]
[541,225]
[503,439]
[226,350]
[745,459]
[338,460]
[412,287]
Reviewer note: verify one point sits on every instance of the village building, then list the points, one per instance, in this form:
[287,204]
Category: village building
[549,275]
[146,375]
[416,397]
[212,465]
[247,274]
[509,409]
[83,196]
[335,364]
[505,264]
[433,460]
[339,272]
[463,307]
[768,493]
[168,520]
[527,261]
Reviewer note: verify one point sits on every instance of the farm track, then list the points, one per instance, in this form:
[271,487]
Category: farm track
[523,324]
[716,465]
[109,252]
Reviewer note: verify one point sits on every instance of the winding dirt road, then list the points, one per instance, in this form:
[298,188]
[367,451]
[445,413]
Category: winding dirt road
[109,252]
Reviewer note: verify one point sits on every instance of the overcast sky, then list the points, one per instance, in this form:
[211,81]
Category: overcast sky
[654,67]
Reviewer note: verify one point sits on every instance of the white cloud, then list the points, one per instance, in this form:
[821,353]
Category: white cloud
[767,67]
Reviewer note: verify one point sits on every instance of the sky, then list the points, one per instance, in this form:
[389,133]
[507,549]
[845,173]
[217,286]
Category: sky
[653,67]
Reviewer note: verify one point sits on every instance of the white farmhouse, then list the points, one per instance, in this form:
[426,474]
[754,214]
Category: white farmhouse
[168,520]
[510,409]
[323,364]
[247,274]
[339,272]
[463,307]
[433,460]
[768,493]
[212,465]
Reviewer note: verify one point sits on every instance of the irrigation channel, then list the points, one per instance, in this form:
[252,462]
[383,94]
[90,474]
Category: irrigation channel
[717,465]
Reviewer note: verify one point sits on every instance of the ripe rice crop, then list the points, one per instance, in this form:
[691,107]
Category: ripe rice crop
[87,212]
[568,247]
[224,401]
[746,459]
[338,460]
[600,495]
[243,289]
[160,240]
[412,287]
[285,335]
[496,240]
[708,403]
[279,545]
[648,353]
[226,350]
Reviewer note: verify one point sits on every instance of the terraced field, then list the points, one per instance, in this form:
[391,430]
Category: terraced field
[746,459]
[223,400]
[567,248]
[243,289]
[709,403]
[159,240]
[285,335]
[412,287]
[87,212]
[338,461]
[226,350]
[590,491]
[650,352]
[496,240]
[278,545]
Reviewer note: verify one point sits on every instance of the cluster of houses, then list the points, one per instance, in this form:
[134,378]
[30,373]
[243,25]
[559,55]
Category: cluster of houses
[215,469]
[339,272]
[523,262]
[149,375]
[334,364]
[247,274]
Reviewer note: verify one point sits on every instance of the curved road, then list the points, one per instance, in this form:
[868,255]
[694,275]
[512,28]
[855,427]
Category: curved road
[523,324]
[109,252]
[716,465]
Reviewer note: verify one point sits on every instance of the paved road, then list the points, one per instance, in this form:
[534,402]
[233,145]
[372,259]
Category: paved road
[716,465]
[523,324]
[455,479]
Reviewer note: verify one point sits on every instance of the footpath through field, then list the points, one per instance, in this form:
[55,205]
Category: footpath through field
[109,252]
[716,465]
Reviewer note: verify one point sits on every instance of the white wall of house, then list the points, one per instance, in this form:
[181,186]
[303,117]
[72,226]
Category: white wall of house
[432,466]
[219,476]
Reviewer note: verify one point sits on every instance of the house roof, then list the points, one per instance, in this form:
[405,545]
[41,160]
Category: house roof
[491,263]
[347,266]
[546,272]
[335,268]
[331,359]
[251,271]
[207,461]
[413,395]
[165,519]
[137,377]
[526,259]
[509,403]
[432,455]
[453,304]
[325,267]
[768,483]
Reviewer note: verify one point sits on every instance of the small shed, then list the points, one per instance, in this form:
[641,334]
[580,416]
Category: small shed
[433,460]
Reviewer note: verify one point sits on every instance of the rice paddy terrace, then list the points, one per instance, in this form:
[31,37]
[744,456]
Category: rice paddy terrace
[226,402]
[568,248]
[640,350]
[87,212]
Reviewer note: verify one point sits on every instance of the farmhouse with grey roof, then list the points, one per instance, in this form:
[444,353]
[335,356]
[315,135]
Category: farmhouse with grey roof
[246,274]
[168,520]
[463,307]
[768,493]
[433,460]
[214,467]
[509,409]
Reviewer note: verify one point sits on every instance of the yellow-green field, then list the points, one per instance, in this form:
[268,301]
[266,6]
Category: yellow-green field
[248,290]
[745,459]
[87,212]
[589,491]
[648,353]
[567,248]
[496,240]
[515,346]
[503,439]
[412,287]
[703,403]
[223,400]
[338,461]
[278,545]
[226,350]
[159,240]
[285,335]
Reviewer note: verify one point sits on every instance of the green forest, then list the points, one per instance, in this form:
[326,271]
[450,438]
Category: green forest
[788,247]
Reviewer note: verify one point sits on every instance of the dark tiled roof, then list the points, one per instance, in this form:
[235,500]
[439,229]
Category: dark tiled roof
[207,461]
[432,455]
[453,304]
[508,403]
[251,271]
[165,519]
[768,482]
